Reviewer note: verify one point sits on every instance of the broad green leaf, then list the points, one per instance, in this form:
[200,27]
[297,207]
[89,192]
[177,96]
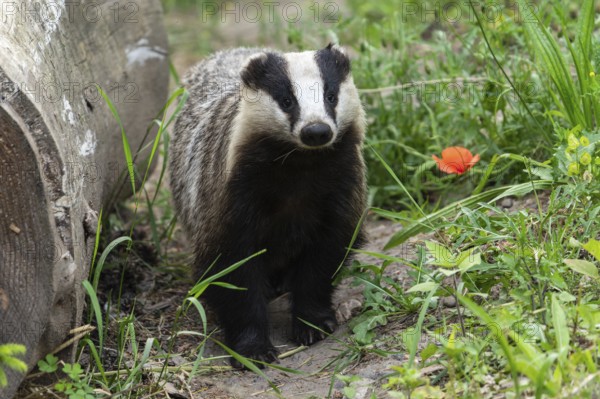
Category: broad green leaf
[350,392]
[564,296]
[561,330]
[429,351]
[73,370]
[449,272]
[442,256]
[363,325]
[583,266]
[424,287]
[542,173]
[49,364]
[593,247]
[467,259]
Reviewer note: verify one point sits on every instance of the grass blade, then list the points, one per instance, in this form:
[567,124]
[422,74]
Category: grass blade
[414,343]
[107,250]
[126,147]
[96,242]
[96,357]
[200,286]
[427,223]
[97,312]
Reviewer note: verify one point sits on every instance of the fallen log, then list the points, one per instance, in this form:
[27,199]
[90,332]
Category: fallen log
[61,151]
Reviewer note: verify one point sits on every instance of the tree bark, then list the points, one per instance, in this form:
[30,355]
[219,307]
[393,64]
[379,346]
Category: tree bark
[61,152]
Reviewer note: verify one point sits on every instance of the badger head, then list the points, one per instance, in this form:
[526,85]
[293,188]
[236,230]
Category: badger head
[306,98]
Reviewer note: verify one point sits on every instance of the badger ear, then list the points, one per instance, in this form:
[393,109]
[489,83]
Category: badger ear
[255,69]
[333,57]
[336,47]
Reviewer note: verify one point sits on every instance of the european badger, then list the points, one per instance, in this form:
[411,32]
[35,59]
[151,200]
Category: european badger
[266,154]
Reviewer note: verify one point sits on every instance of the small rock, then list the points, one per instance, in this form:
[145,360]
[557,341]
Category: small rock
[530,202]
[506,203]
[176,360]
[174,392]
[449,302]
[347,309]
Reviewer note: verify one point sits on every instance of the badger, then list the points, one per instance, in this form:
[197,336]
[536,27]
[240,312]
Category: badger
[267,154]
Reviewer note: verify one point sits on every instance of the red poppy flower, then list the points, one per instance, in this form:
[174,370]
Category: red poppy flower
[456,160]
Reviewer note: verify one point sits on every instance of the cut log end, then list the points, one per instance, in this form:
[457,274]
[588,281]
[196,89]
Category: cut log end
[25,259]
[61,158]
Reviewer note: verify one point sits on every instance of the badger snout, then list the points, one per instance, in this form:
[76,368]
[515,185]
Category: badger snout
[316,134]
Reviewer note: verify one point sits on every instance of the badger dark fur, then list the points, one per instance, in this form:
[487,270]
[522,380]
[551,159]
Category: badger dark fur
[267,154]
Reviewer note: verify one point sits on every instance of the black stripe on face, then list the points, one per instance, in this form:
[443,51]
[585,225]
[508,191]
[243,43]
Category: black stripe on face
[335,68]
[269,73]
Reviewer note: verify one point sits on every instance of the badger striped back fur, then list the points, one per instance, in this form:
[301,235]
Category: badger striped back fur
[267,154]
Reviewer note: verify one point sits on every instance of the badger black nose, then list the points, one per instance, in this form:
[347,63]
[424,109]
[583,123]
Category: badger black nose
[316,134]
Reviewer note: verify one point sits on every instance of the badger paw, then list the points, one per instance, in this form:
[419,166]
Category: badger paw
[305,334]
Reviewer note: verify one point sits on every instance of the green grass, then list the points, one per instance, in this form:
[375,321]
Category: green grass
[525,281]
[521,91]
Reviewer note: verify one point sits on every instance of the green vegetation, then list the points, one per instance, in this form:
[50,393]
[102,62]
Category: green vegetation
[9,360]
[499,301]
[524,283]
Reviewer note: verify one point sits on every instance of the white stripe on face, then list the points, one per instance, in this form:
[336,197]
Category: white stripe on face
[308,85]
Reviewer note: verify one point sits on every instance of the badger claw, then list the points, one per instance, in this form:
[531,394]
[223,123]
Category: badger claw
[307,335]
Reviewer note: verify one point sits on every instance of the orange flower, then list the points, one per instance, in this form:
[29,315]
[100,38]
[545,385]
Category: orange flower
[456,160]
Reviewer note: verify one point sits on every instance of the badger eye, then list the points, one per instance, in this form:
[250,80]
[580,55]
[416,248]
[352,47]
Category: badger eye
[287,103]
[331,98]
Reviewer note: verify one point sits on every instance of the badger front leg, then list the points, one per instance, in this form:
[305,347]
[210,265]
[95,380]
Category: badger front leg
[243,313]
[311,295]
